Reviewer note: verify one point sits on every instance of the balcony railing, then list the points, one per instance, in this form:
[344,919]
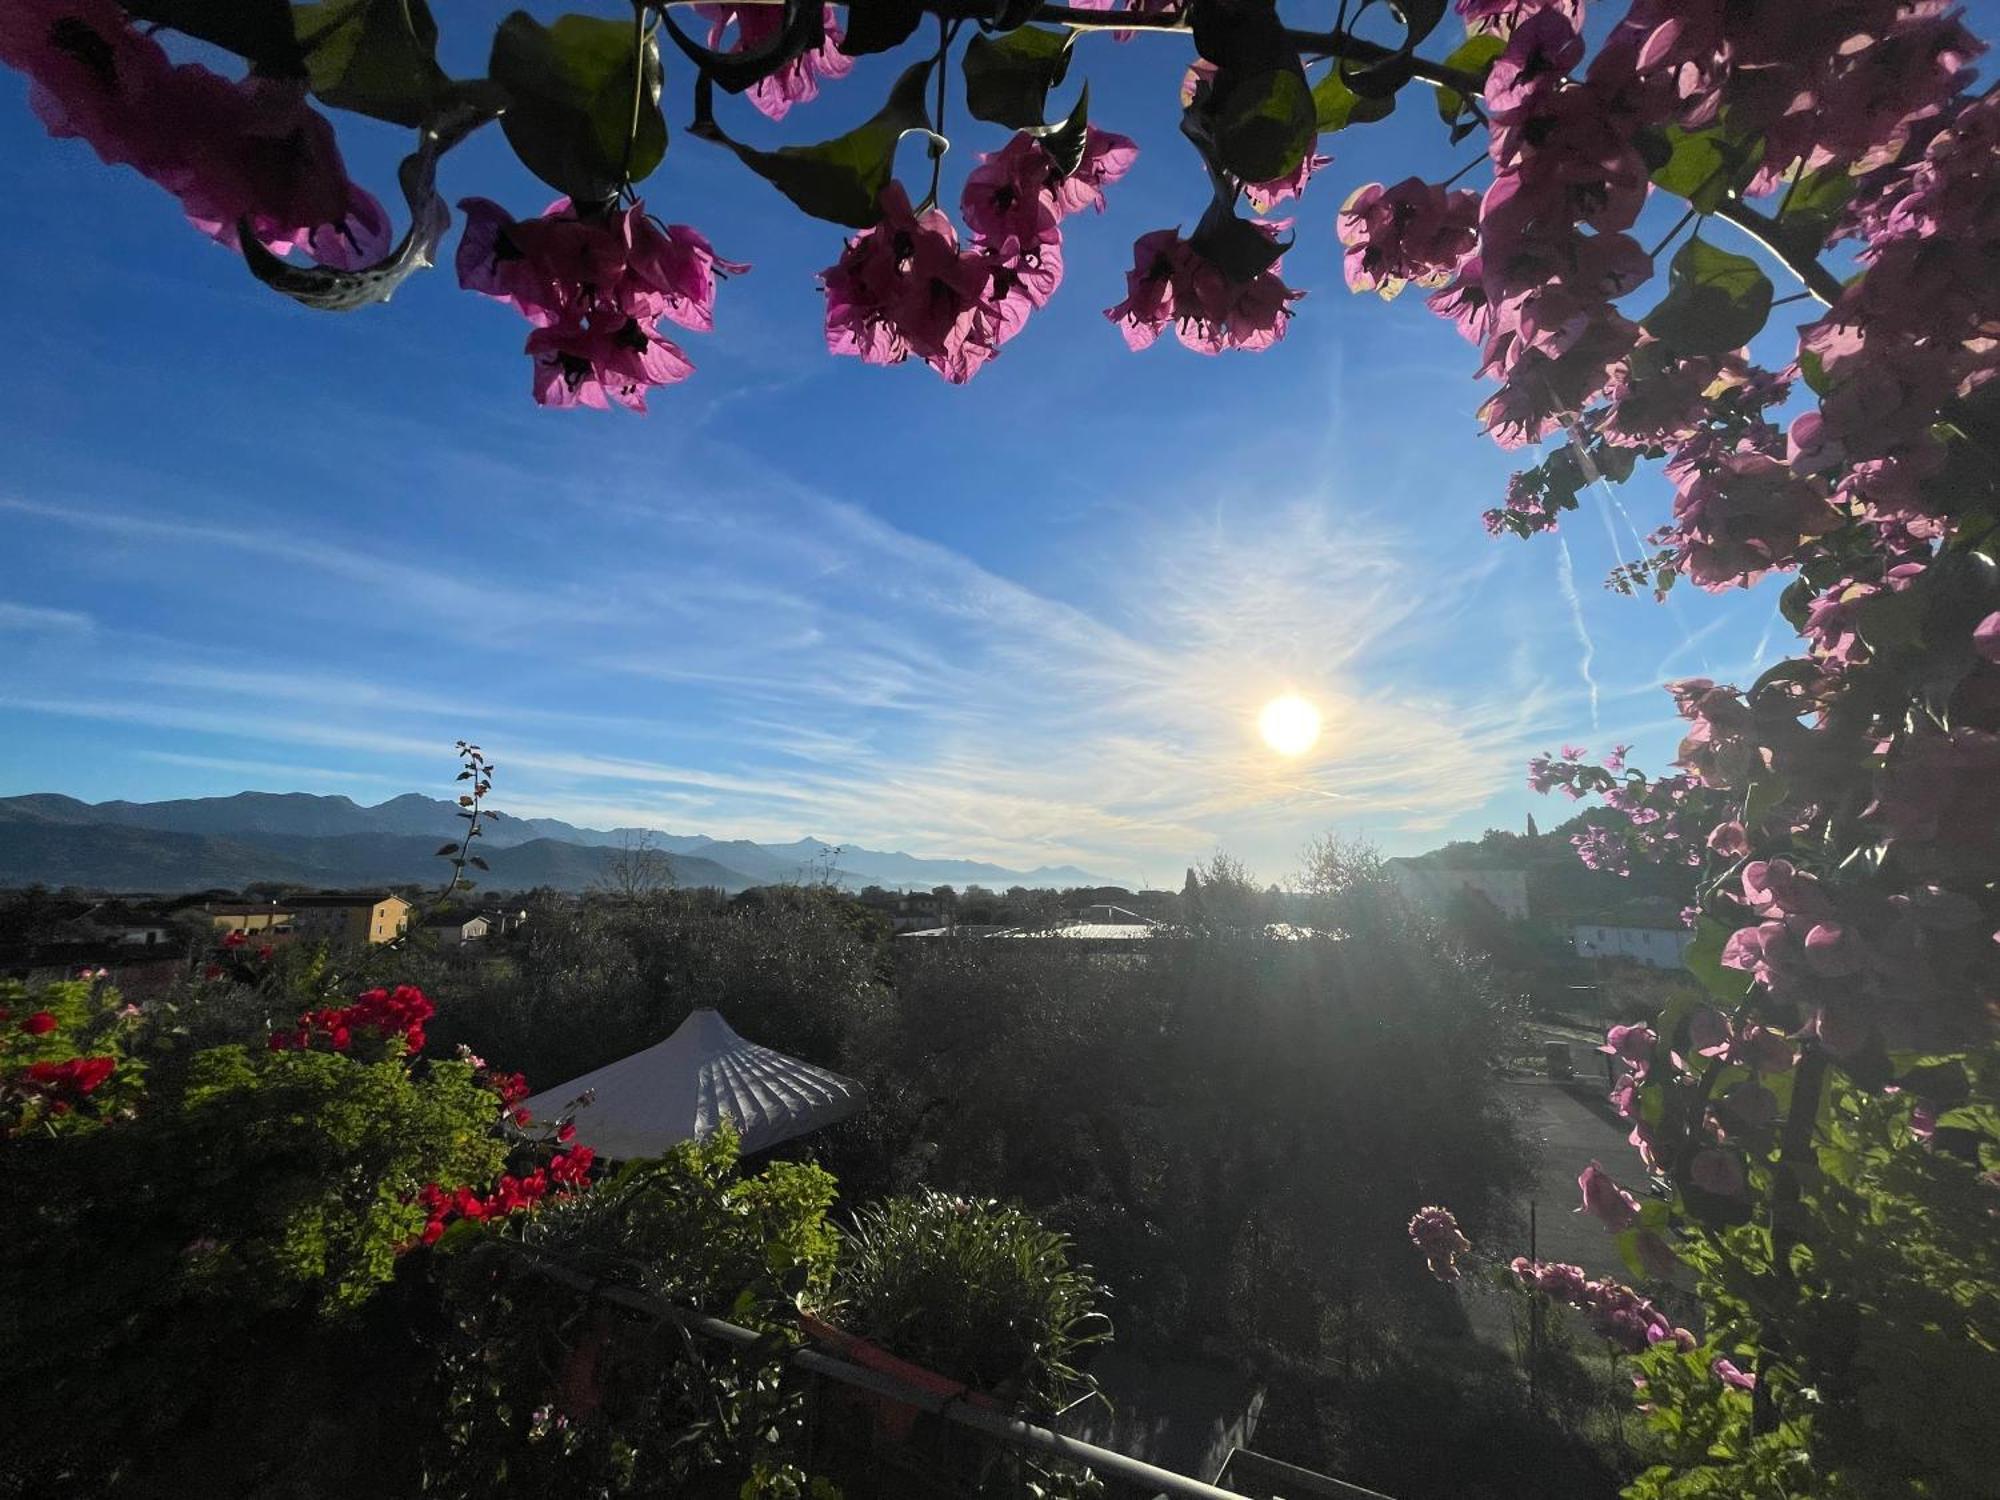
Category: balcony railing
[935,1462]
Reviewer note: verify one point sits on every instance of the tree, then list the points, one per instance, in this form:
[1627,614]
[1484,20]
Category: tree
[637,873]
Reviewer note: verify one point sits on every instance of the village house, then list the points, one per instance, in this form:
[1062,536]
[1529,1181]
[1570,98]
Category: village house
[350,919]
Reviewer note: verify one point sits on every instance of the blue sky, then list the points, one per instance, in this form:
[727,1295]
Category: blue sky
[249,545]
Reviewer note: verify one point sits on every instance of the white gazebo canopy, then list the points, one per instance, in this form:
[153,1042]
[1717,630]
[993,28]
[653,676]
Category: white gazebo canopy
[689,1084]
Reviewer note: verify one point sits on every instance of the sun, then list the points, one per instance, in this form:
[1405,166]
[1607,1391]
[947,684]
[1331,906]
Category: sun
[1289,724]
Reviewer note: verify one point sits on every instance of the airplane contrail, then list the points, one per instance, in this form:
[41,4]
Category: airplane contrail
[1566,582]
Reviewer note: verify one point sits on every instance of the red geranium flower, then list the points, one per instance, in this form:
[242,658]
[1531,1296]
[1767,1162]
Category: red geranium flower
[41,1023]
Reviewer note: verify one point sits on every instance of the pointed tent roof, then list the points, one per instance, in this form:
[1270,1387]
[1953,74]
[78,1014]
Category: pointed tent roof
[687,1085]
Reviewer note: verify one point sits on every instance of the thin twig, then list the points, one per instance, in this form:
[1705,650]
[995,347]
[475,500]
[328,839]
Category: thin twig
[1654,253]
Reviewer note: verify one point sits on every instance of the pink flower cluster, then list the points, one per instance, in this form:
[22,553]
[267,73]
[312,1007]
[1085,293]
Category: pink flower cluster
[595,286]
[756,27]
[1435,1232]
[233,151]
[1412,232]
[1631,1322]
[906,288]
[1211,311]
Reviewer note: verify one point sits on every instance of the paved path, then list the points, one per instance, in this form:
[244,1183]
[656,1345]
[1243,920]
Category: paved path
[1570,1133]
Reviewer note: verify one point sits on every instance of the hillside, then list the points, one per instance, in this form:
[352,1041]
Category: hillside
[1560,887]
[199,842]
[106,856]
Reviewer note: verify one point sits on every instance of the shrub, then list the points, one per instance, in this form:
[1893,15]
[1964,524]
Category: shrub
[547,1390]
[977,1291]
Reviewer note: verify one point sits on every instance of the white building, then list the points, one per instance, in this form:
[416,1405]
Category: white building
[1655,947]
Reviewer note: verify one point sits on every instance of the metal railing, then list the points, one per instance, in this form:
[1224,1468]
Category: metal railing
[1026,1436]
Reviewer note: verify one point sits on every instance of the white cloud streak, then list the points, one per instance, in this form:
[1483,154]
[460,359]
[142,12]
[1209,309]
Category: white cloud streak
[1566,584]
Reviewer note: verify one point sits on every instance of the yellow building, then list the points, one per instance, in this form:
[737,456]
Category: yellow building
[351,918]
[262,918]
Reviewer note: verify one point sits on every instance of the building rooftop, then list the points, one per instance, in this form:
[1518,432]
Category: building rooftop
[342,898]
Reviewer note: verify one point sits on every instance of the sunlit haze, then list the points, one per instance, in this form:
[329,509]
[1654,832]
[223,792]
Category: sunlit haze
[1289,725]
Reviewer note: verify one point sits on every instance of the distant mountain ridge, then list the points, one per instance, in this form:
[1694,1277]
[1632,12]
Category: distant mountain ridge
[305,838]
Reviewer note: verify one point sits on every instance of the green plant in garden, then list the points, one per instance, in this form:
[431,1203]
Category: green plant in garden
[65,1059]
[227,1232]
[975,1290]
[550,1390]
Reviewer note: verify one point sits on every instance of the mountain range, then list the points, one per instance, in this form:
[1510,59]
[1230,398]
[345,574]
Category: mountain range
[299,838]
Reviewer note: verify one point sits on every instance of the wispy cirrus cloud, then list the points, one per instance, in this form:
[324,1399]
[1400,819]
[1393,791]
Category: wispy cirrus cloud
[801,665]
[35,617]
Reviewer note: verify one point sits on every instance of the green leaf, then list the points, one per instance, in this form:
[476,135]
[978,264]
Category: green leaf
[841,179]
[1237,245]
[1812,370]
[1336,106]
[569,115]
[375,57]
[1065,143]
[1811,204]
[1703,166]
[1891,621]
[1008,78]
[878,25]
[1716,301]
[1263,123]
[1765,793]
[1704,961]
[1474,55]
[260,30]
[1384,78]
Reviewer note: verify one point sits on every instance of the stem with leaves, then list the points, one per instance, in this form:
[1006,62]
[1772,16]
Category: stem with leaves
[477,769]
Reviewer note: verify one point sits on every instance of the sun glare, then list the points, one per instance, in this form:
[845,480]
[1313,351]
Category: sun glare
[1289,724]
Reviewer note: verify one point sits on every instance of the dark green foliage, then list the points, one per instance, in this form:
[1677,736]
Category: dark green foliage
[570,109]
[550,1391]
[975,1290]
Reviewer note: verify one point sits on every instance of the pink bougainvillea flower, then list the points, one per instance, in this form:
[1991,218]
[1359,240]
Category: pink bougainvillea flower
[602,358]
[1632,1044]
[1007,202]
[251,151]
[1265,196]
[757,27]
[1986,637]
[595,287]
[257,152]
[1500,17]
[1605,1200]
[1211,310]
[91,76]
[1727,1371]
[904,288]
[1435,1231]
[1728,840]
[676,264]
[1107,156]
[1539,55]
[1414,232]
